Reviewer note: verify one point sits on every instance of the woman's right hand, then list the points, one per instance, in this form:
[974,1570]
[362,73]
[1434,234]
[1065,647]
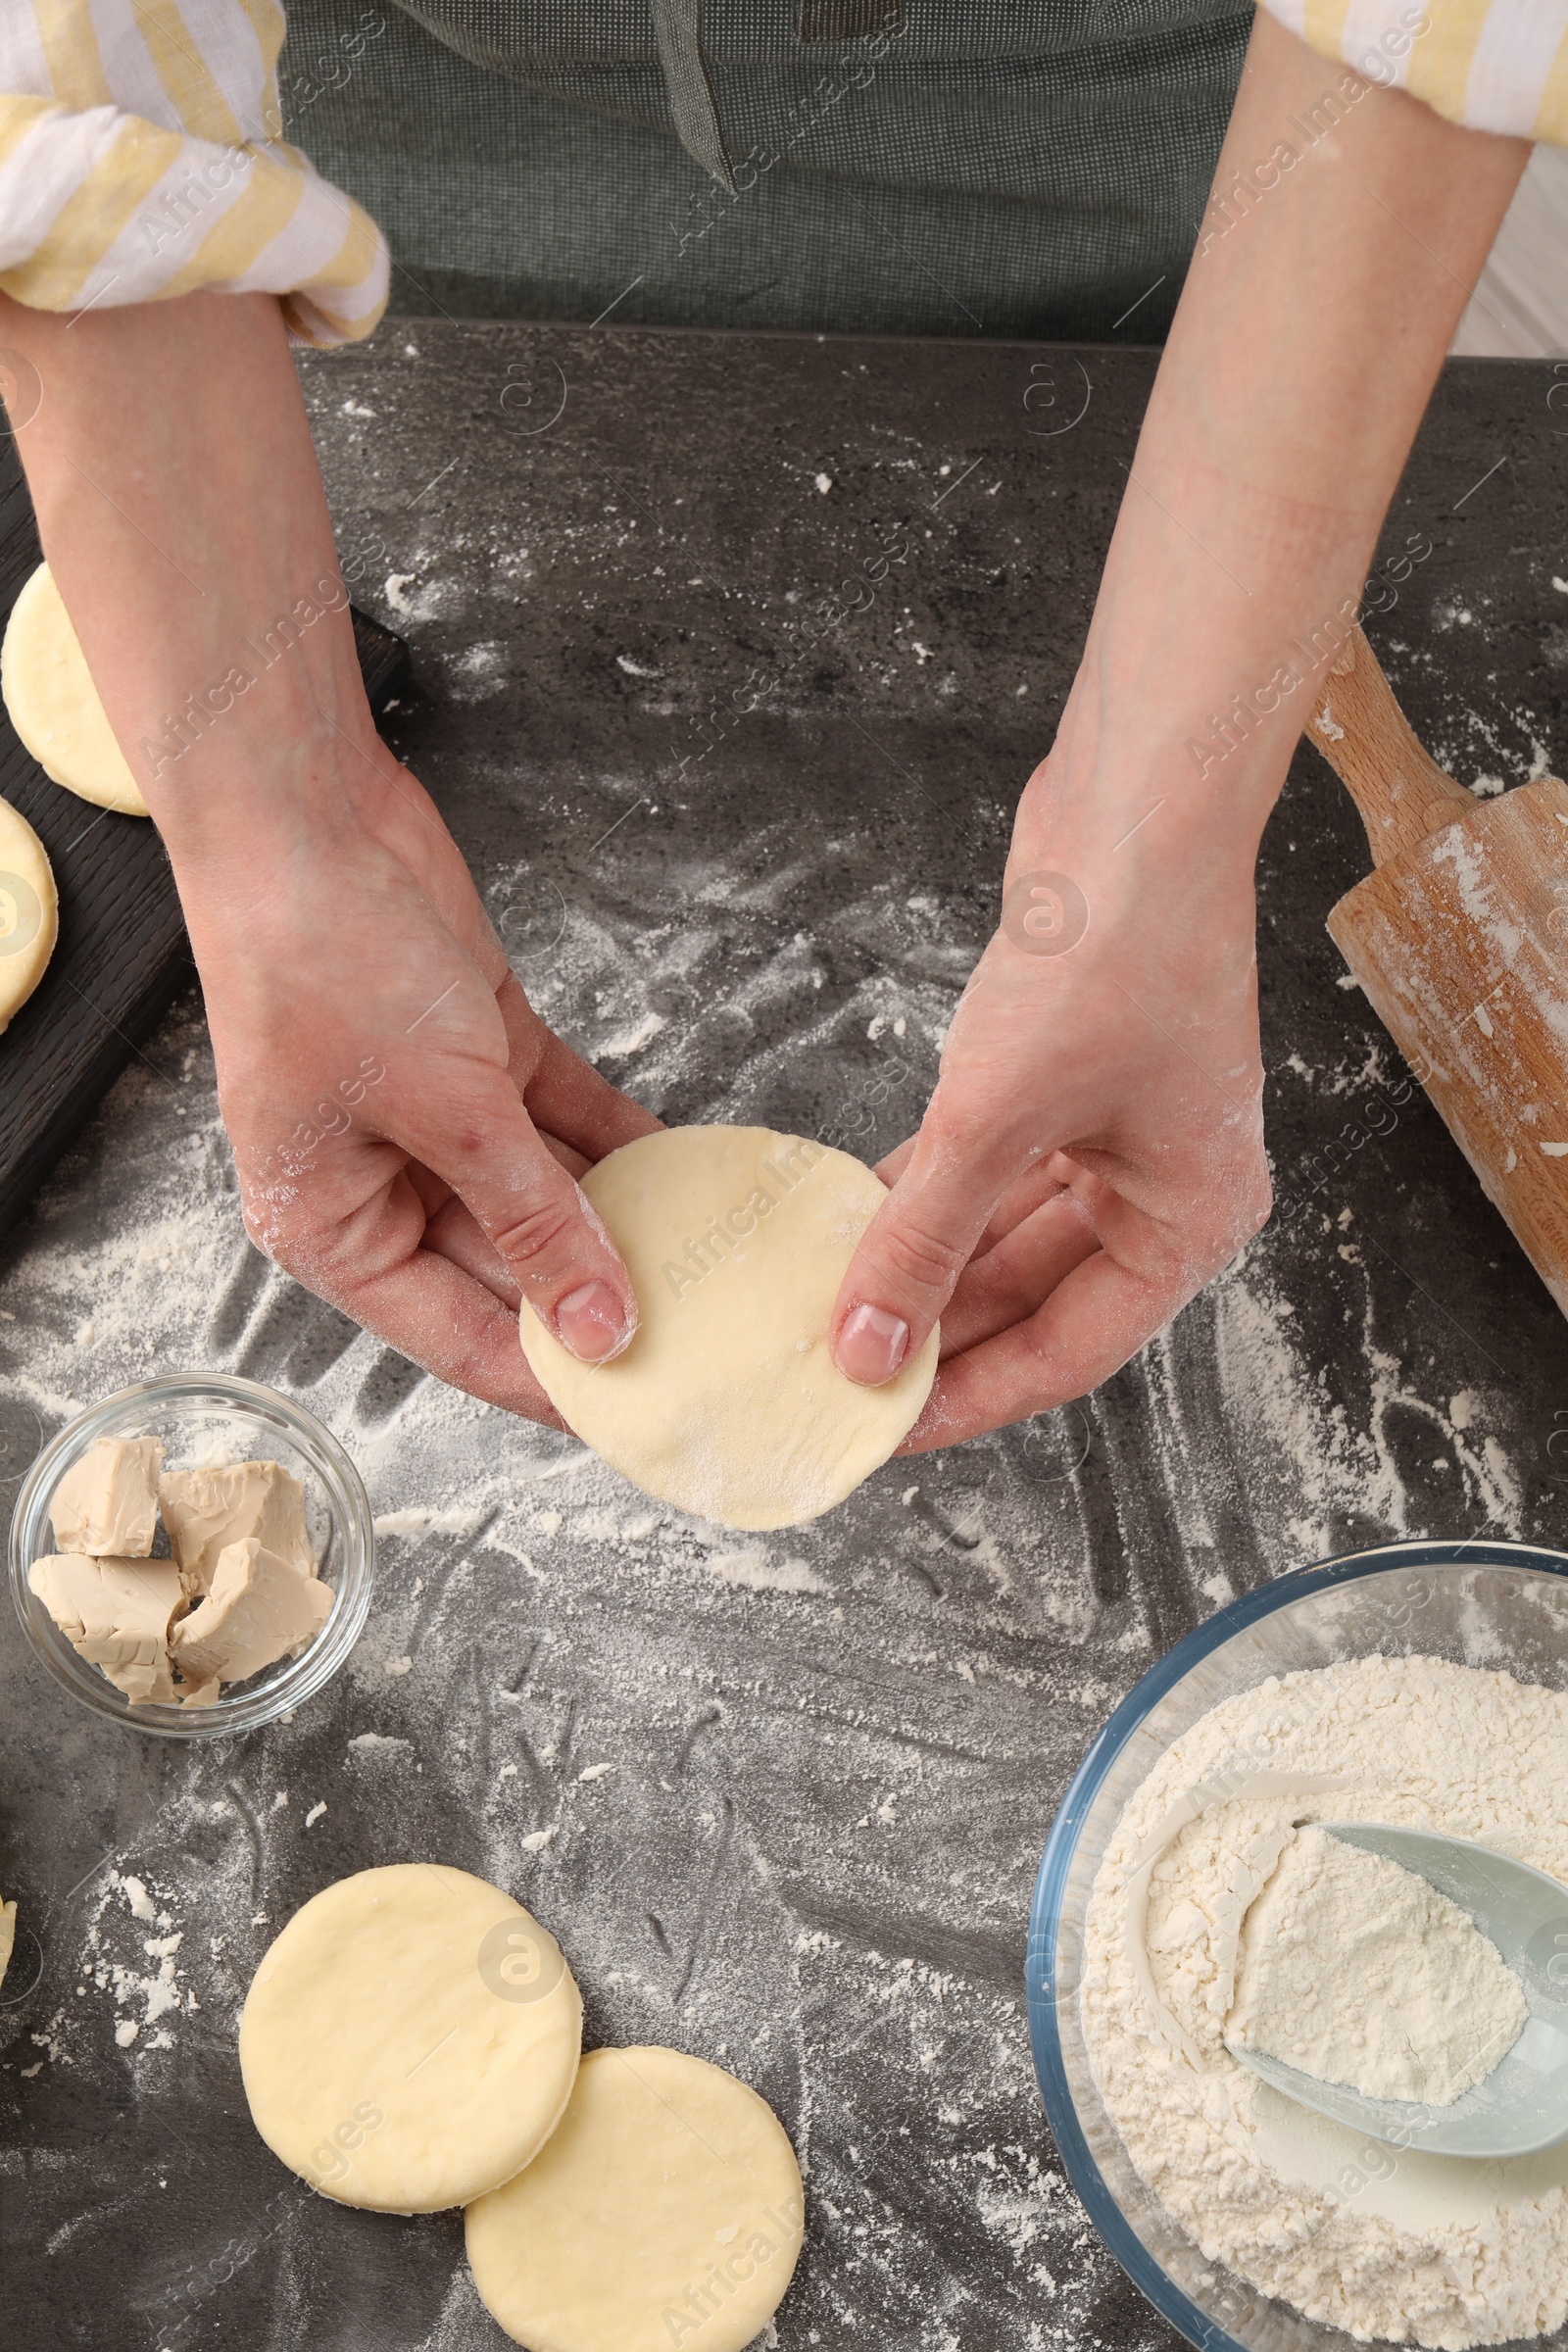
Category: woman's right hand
[407,1129]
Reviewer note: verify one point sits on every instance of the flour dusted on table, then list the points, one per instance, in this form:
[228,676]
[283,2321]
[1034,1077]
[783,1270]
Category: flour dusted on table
[1357,1970]
[1381,2243]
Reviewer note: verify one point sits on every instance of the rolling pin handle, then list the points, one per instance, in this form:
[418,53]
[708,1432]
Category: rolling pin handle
[1360,730]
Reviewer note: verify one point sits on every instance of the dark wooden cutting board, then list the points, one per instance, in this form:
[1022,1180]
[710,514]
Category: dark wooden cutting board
[122,955]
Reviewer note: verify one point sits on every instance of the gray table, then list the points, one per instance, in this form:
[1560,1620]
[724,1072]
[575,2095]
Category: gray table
[835,1755]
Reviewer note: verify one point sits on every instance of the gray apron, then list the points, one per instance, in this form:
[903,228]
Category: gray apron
[889,167]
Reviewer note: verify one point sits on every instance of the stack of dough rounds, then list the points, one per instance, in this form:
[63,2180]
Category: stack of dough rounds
[29,912]
[54,705]
[727,1403]
[410,2039]
[666,2209]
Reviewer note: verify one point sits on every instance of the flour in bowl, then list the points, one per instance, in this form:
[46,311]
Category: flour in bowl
[1356,1971]
[1385,2243]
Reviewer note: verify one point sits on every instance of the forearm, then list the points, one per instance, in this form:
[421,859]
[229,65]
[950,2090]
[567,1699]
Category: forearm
[377,1064]
[182,509]
[1320,302]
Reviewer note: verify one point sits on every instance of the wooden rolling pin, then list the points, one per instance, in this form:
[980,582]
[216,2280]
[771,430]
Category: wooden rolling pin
[1461,940]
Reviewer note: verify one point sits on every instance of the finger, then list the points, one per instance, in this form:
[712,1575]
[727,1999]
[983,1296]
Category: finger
[911,1256]
[452,1232]
[562,1153]
[372,1264]
[563,1094]
[896,1161]
[433,1312]
[1011,1281]
[1086,1330]
[1096,1318]
[472,1131]
[1043,1181]
[433,1194]
[1037,1184]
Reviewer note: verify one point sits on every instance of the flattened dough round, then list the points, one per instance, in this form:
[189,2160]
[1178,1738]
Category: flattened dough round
[30,911]
[53,703]
[728,1402]
[665,2210]
[410,2039]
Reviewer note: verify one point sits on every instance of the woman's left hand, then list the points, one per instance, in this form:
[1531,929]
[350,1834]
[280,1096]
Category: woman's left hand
[1092,1153]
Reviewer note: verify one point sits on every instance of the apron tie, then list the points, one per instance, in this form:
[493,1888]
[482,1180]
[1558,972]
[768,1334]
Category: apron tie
[678,30]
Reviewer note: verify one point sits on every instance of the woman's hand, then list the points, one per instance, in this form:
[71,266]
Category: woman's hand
[1093,1152]
[406,1132]
[406,1128]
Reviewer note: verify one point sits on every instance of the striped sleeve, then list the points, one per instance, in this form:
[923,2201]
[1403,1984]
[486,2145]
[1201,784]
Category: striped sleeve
[141,156]
[1491,65]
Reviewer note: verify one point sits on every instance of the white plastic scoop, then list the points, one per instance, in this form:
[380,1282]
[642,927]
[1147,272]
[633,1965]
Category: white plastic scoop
[1522,2106]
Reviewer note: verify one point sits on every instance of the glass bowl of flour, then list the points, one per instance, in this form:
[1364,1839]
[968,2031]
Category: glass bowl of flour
[209,1420]
[1421,1684]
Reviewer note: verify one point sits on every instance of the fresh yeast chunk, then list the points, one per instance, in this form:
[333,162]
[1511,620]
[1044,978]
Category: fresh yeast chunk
[207,1511]
[106,1504]
[259,1607]
[117,1613]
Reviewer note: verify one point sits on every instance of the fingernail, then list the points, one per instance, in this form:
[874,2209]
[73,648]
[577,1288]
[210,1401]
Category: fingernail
[590,1322]
[873,1344]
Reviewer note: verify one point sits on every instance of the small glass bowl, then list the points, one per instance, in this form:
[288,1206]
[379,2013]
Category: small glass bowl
[205,1420]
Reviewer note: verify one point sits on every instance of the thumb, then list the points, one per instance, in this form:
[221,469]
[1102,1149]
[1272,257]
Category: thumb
[910,1259]
[534,1215]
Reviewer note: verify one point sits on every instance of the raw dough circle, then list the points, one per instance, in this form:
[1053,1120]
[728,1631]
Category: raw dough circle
[665,2210]
[54,705]
[30,911]
[410,2039]
[728,1402]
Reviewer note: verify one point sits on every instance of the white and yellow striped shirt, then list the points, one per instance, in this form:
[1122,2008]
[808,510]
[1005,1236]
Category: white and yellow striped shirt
[141,152]
[141,156]
[1494,64]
